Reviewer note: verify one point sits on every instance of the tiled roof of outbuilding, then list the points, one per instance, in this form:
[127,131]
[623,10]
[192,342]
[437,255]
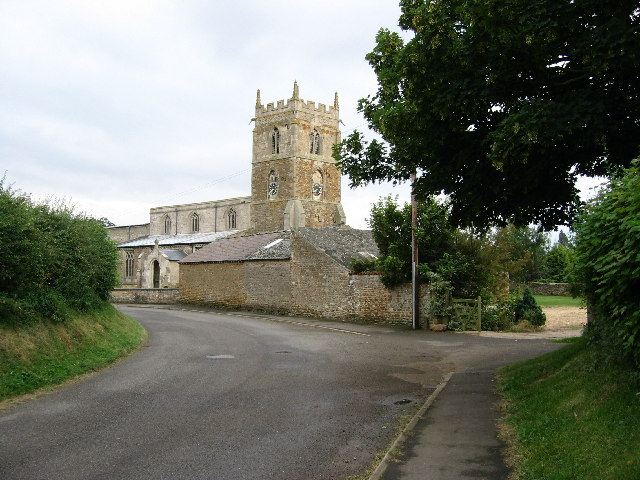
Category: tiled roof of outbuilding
[261,246]
[342,243]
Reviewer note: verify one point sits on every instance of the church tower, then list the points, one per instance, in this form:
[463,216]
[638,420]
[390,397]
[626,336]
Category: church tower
[294,180]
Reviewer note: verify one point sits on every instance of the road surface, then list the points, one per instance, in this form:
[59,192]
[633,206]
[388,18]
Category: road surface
[228,396]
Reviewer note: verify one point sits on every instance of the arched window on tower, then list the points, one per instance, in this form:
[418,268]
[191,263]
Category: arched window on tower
[167,225]
[232,219]
[314,142]
[195,222]
[275,141]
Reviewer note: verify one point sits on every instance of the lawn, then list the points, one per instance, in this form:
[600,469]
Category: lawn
[557,301]
[568,419]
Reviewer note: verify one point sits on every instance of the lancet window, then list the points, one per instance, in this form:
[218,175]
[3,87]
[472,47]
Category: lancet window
[314,142]
[195,222]
[275,141]
[232,219]
[128,264]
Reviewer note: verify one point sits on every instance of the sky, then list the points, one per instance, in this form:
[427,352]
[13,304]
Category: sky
[116,107]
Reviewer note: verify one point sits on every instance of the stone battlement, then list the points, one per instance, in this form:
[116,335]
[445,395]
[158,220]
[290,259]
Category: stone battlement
[297,104]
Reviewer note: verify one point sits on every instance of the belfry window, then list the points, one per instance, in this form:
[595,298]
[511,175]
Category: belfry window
[167,225]
[195,222]
[128,264]
[232,219]
[314,142]
[275,141]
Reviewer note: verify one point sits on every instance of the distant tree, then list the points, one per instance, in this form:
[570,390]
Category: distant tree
[520,251]
[106,222]
[501,104]
[563,239]
[559,263]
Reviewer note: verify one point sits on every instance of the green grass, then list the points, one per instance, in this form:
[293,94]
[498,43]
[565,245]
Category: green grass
[46,354]
[557,301]
[567,420]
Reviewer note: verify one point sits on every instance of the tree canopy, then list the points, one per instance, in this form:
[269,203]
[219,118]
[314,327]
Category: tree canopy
[501,104]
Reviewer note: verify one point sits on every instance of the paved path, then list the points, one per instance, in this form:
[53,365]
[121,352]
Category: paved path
[456,437]
[227,396]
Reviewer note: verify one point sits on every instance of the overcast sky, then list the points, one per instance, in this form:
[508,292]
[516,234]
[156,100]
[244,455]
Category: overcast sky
[121,105]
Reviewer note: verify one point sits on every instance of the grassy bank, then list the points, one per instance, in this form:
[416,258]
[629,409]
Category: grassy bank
[46,354]
[567,420]
[557,301]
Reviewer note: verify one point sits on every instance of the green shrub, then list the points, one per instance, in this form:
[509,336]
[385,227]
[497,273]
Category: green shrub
[500,316]
[439,307]
[51,260]
[359,265]
[608,267]
[528,310]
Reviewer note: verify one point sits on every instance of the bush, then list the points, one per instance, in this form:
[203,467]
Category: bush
[528,310]
[51,260]
[608,267]
[500,316]
[359,265]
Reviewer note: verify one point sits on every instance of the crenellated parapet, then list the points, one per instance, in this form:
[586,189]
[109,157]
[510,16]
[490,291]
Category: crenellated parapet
[296,106]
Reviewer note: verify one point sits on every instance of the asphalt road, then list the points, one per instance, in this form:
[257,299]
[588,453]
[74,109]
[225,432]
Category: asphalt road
[218,396]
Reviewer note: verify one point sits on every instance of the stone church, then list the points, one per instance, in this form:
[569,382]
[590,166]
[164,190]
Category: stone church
[286,248]
[294,184]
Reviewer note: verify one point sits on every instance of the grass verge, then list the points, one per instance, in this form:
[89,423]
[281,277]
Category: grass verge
[46,354]
[567,420]
[558,301]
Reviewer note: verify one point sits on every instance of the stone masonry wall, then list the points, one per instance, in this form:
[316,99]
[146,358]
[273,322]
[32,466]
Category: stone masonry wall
[158,296]
[268,285]
[128,232]
[373,301]
[216,284]
[319,284]
[537,288]
[310,284]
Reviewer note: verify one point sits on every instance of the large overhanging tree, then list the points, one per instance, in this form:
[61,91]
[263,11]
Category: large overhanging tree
[501,104]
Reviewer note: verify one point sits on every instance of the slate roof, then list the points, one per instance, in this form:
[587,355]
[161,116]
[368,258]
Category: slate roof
[261,246]
[342,243]
[174,255]
[180,239]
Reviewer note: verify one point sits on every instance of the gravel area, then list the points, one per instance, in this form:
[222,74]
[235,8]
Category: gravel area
[562,322]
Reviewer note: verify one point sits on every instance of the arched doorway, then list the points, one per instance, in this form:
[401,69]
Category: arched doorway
[156,274]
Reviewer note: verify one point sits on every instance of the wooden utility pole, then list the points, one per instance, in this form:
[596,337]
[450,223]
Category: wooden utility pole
[415,304]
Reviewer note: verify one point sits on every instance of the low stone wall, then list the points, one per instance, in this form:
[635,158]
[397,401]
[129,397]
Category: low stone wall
[370,300]
[161,296]
[558,289]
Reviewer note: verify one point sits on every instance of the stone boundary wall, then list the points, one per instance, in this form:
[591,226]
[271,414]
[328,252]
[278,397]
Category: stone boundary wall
[161,296]
[538,288]
[268,287]
[372,301]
